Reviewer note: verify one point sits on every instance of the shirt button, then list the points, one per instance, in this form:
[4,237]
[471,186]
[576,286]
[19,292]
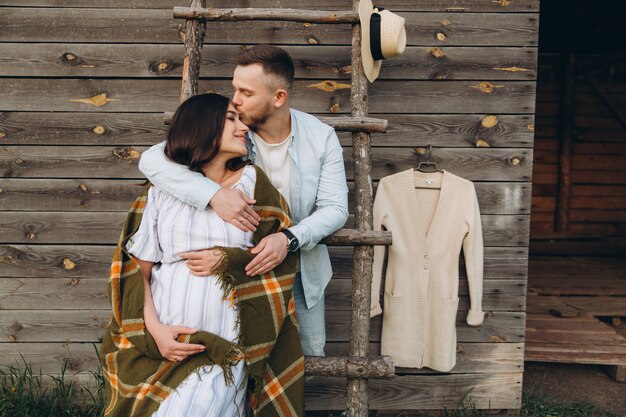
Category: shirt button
[425,266]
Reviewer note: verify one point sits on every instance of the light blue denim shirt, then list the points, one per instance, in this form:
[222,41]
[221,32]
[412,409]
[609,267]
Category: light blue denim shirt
[318,192]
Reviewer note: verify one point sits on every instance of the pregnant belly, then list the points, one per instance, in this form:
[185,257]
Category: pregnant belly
[182,299]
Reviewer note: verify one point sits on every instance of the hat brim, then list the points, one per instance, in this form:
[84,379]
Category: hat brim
[370,66]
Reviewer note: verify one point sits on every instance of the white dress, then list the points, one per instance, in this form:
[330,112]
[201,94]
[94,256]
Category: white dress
[167,228]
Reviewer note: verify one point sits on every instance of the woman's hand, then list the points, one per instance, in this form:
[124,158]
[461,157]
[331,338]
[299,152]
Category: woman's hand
[202,263]
[170,348]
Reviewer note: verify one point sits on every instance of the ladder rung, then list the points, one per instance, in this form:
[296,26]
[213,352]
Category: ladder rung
[350,366]
[239,14]
[340,123]
[352,237]
[356,124]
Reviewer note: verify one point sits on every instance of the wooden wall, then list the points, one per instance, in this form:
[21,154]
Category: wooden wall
[596,203]
[82,90]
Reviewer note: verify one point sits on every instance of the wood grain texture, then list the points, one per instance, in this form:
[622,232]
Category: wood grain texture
[95,261]
[121,162]
[86,195]
[331,62]
[103,228]
[119,95]
[136,129]
[157,25]
[467,6]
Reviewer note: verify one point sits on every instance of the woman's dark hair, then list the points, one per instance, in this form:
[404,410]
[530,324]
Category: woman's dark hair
[193,138]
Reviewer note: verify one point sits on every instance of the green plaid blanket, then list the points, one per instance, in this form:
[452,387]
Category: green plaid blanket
[138,379]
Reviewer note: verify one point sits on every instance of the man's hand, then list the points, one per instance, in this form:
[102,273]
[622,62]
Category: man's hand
[233,206]
[202,263]
[171,349]
[270,252]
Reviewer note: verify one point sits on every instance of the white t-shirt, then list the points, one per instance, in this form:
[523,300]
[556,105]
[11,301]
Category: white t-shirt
[274,159]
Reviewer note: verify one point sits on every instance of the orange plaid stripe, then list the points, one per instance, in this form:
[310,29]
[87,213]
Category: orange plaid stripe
[260,351]
[121,342]
[274,388]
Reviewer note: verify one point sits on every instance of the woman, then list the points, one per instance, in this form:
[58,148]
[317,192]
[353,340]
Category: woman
[246,325]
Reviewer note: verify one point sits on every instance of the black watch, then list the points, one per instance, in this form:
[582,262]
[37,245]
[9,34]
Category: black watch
[292,241]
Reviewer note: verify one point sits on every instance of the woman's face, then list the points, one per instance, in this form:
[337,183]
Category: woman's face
[234,141]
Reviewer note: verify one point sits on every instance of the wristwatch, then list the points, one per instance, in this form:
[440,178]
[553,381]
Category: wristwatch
[292,241]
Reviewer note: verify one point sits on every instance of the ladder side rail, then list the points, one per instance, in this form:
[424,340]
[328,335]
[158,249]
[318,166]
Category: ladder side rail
[193,38]
[357,398]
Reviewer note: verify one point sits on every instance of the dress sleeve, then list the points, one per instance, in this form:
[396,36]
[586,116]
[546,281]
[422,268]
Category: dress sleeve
[144,244]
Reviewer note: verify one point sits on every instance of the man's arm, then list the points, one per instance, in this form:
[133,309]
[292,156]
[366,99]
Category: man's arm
[188,186]
[193,188]
[330,214]
[331,202]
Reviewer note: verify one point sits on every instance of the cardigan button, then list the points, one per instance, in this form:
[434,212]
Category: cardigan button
[425,256]
[425,266]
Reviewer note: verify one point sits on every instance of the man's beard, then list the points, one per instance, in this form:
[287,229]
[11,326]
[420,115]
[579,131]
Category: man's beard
[257,120]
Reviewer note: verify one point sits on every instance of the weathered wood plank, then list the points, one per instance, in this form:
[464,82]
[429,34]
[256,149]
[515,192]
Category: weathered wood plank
[498,295]
[119,95]
[103,228]
[486,390]
[121,162]
[498,327]
[29,326]
[79,294]
[95,261]
[55,261]
[55,293]
[332,62]
[22,24]
[34,326]
[395,5]
[462,131]
[87,195]
[499,263]
[472,164]
[470,358]
[599,305]
[90,293]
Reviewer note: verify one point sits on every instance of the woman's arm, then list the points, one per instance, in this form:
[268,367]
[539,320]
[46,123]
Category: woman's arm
[164,335]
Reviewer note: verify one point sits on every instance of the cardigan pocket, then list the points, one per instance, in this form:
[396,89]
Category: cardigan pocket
[392,289]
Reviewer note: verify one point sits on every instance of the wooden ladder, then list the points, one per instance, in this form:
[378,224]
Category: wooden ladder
[359,366]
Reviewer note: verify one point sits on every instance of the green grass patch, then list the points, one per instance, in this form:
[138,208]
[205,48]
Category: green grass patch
[25,393]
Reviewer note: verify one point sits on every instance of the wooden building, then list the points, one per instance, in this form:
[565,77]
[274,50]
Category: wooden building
[83,88]
[577,266]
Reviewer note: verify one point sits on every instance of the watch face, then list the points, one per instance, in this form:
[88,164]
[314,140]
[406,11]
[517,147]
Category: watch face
[293,245]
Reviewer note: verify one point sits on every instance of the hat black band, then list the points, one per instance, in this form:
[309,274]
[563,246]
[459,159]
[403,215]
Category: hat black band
[375,47]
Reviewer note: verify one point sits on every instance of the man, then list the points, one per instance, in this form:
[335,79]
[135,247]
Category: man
[303,159]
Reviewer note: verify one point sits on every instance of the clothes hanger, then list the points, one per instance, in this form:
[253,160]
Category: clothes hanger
[428,167]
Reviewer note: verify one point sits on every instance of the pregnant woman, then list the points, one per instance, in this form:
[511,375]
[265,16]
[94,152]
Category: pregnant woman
[185,345]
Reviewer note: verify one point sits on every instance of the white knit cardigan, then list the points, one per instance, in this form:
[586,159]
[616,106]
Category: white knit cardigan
[422,277]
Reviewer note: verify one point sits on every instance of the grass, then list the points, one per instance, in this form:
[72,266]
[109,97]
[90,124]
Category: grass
[24,393]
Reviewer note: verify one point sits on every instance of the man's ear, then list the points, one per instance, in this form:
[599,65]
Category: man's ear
[280,97]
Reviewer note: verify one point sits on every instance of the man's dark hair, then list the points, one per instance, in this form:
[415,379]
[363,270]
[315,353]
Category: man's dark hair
[195,133]
[275,61]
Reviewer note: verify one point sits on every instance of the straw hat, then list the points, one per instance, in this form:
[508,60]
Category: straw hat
[382,36]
